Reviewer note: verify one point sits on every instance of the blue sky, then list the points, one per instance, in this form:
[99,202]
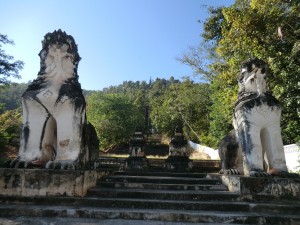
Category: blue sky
[118,40]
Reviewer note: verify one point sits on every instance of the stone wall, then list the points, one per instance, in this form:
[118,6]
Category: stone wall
[280,187]
[36,182]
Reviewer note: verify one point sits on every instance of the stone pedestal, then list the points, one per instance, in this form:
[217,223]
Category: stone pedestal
[37,182]
[136,163]
[281,187]
[178,159]
[178,163]
[137,159]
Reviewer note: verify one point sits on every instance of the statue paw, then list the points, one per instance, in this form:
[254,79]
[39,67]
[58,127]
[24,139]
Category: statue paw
[17,163]
[61,165]
[229,172]
[255,173]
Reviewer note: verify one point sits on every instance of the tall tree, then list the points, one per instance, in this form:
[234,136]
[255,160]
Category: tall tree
[8,66]
[186,104]
[114,117]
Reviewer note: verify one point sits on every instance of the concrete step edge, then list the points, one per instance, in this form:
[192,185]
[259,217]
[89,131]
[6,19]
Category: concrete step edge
[162,215]
[175,192]
[163,187]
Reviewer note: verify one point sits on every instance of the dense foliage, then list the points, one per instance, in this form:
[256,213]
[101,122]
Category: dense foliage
[10,123]
[114,117]
[185,103]
[157,106]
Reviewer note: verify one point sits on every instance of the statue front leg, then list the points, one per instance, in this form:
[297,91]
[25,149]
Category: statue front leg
[274,150]
[70,122]
[35,117]
[249,136]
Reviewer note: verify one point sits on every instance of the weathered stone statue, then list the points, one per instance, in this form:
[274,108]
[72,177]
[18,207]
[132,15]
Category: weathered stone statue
[256,121]
[55,133]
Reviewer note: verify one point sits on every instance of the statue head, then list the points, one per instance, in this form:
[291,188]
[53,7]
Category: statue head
[59,48]
[252,77]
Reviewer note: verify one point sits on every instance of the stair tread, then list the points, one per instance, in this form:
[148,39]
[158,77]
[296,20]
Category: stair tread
[71,209]
[197,202]
[26,200]
[158,173]
[142,190]
[91,221]
[164,184]
[161,177]
[157,185]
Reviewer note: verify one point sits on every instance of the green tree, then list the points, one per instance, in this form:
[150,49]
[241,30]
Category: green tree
[114,116]
[184,103]
[8,66]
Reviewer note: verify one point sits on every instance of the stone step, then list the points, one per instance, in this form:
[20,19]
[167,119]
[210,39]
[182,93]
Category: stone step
[157,165]
[88,221]
[163,194]
[205,201]
[146,204]
[160,173]
[155,186]
[197,216]
[159,180]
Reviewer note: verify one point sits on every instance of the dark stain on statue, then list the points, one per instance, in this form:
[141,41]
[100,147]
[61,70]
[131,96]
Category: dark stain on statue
[249,102]
[43,131]
[245,139]
[72,89]
[35,87]
[26,132]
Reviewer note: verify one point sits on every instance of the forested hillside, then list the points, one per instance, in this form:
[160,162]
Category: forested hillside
[157,106]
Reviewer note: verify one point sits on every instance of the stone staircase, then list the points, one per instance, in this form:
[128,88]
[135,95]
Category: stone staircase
[159,196]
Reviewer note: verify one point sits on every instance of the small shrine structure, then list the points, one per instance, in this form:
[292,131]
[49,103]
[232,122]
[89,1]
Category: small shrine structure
[178,159]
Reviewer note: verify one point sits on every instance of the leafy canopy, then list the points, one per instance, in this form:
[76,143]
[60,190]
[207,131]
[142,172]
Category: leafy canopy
[114,117]
[8,66]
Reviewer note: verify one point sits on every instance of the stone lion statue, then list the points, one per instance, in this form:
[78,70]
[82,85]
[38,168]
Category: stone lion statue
[55,133]
[255,147]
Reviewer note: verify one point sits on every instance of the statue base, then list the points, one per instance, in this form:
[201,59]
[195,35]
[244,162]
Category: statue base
[42,182]
[136,163]
[178,163]
[281,187]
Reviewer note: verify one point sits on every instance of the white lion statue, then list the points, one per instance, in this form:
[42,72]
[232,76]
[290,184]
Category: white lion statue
[258,147]
[55,133]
